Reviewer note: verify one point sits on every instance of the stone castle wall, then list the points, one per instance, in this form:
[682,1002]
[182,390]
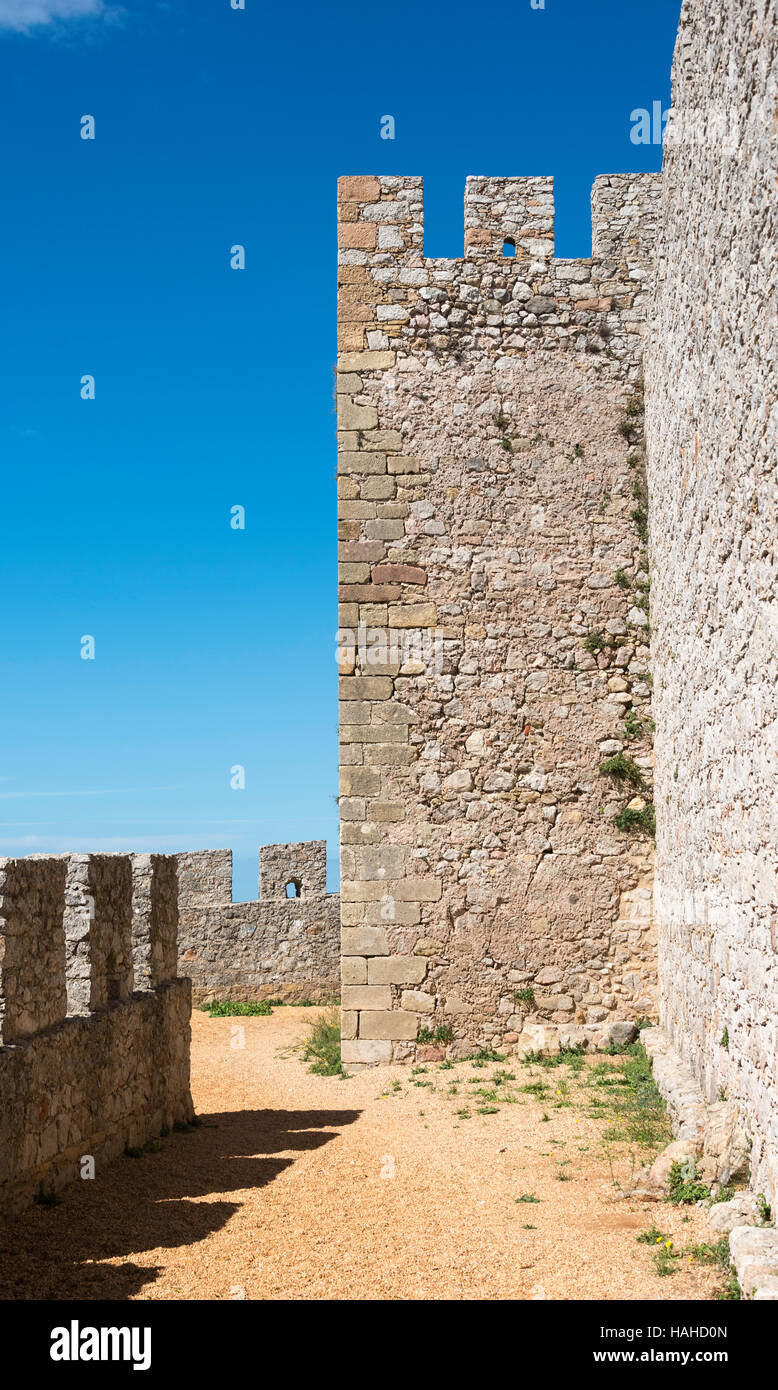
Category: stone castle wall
[712,384]
[94,1025]
[492,642]
[276,947]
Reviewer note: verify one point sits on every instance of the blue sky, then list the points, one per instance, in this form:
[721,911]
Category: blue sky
[213,387]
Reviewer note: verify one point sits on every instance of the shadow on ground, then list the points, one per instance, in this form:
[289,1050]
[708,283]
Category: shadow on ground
[139,1204]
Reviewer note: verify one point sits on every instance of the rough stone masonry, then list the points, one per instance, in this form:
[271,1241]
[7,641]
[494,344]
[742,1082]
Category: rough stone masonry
[494,679]
[285,945]
[712,412]
[94,1024]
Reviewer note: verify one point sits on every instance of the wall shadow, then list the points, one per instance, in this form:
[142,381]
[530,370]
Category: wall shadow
[139,1204]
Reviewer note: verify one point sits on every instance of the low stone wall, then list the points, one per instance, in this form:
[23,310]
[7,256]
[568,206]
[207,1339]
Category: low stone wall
[274,947]
[94,1026]
[92,1086]
[712,1139]
[715,1138]
[680,1089]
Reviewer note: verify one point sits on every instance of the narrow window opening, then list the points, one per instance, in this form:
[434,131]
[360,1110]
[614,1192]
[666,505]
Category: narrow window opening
[293,888]
[509,247]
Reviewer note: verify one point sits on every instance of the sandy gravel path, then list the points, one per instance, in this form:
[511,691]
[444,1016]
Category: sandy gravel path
[306,1187]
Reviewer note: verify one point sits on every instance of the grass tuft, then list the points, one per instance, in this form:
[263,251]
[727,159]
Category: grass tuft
[622,769]
[322,1046]
[441,1034]
[684,1187]
[233,1008]
[630,819]
[627,1096]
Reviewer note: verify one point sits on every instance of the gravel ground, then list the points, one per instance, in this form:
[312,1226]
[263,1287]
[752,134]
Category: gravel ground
[299,1186]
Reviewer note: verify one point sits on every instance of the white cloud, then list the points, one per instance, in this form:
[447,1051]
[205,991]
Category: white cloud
[23,15]
[102,791]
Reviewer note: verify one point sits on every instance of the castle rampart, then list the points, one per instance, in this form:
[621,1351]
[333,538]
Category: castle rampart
[94,1025]
[712,385]
[284,945]
[493,629]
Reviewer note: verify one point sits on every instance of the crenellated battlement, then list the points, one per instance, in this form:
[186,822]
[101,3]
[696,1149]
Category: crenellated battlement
[285,943]
[518,212]
[496,211]
[81,931]
[98,931]
[293,871]
[286,872]
[507,286]
[94,1023]
[33,988]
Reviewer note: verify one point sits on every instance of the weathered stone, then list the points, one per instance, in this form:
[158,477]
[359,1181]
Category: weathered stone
[358,188]
[550,1003]
[412,615]
[359,235]
[366,1051]
[423,890]
[349,1021]
[366,997]
[755,1256]
[538,1039]
[744,1209]
[399,574]
[461,781]
[353,970]
[355,417]
[364,941]
[396,970]
[622,1033]
[726,1149]
[395,1023]
[550,975]
[417,1001]
[365,361]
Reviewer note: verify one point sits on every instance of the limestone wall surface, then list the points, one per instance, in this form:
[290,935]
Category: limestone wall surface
[94,1026]
[275,947]
[492,642]
[711,425]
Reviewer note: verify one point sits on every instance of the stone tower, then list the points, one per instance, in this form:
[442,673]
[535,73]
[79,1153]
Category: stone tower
[493,630]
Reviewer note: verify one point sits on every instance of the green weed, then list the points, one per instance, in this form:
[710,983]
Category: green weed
[622,769]
[630,819]
[684,1187]
[322,1046]
[233,1008]
[442,1034]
